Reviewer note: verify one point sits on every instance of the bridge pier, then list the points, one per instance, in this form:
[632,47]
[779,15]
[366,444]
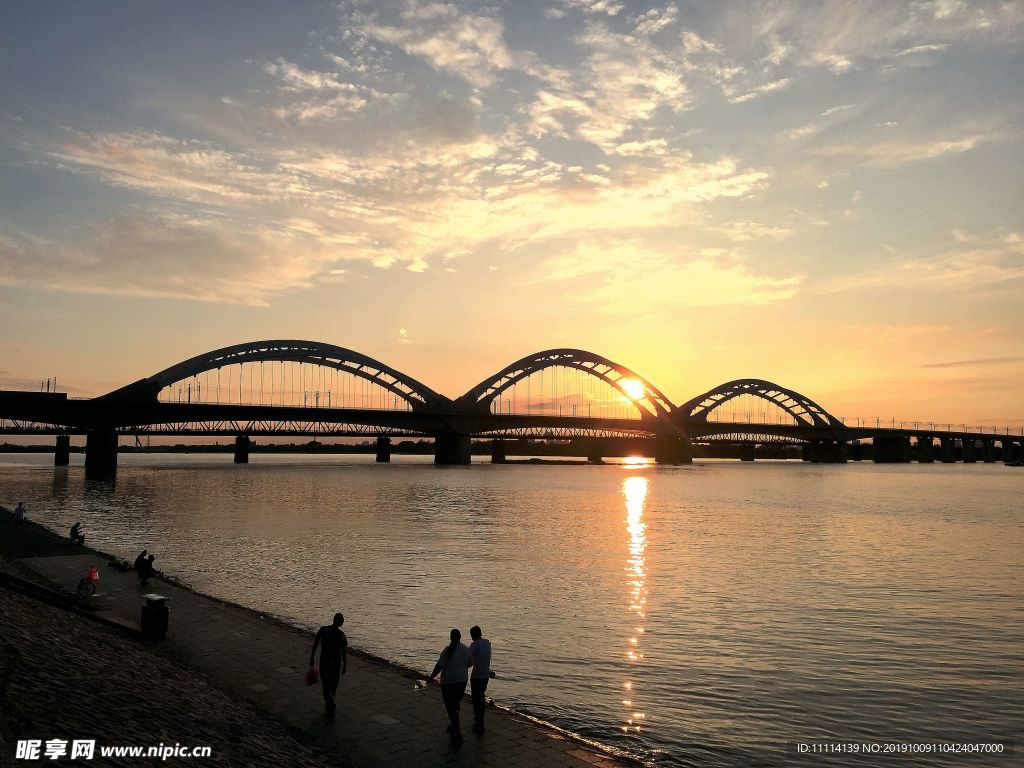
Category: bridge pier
[243,444]
[498,452]
[595,452]
[925,450]
[383,450]
[948,450]
[969,447]
[747,452]
[825,452]
[890,449]
[672,449]
[101,453]
[62,452]
[835,452]
[451,448]
[857,451]
[988,451]
[1012,453]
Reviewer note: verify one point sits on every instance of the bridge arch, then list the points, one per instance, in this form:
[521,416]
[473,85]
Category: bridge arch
[652,403]
[805,411]
[415,393]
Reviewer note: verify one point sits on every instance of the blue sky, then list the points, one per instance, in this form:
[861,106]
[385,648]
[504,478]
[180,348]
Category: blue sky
[827,195]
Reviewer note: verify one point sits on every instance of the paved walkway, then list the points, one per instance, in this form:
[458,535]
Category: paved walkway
[382,718]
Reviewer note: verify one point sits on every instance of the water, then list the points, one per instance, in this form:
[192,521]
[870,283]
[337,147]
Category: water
[707,615]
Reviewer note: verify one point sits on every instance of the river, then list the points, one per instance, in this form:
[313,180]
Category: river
[709,615]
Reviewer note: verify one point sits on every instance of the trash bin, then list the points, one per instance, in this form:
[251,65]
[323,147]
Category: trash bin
[153,621]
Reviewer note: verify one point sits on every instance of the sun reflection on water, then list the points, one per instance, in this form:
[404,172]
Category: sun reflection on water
[635,491]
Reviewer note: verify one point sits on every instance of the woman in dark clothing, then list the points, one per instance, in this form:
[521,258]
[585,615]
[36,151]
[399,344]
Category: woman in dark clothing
[453,665]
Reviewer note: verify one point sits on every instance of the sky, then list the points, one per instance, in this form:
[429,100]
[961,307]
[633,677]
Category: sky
[827,195]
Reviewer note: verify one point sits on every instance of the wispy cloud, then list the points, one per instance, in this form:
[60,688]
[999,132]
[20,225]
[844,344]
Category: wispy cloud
[775,85]
[971,264]
[893,153]
[471,46]
[622,82]
[597,7]
[629,278]
[976,362]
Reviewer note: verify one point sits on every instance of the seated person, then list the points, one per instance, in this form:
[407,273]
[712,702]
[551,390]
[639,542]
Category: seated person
[76,535]
[146,570]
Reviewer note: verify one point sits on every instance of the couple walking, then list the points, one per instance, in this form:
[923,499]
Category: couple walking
[453,666]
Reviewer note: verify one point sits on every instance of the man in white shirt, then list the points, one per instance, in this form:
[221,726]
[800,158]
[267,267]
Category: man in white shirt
[480,650]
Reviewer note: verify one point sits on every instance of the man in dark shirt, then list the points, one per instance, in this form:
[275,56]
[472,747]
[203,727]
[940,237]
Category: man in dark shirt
[332,642]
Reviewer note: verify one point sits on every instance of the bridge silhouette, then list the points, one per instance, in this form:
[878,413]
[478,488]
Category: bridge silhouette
[291,388]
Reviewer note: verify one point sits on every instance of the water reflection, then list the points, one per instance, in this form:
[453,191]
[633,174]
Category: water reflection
[635,491]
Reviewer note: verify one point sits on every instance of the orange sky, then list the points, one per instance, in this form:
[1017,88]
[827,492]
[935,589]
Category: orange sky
[701,193]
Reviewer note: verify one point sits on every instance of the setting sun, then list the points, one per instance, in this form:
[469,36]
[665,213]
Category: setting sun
[633,388]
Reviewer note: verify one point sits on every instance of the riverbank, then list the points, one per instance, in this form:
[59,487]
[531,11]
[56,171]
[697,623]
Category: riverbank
[217,652]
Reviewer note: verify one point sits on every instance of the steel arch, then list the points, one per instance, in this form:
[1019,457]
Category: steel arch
[803,409]
[653,403]
[417,394]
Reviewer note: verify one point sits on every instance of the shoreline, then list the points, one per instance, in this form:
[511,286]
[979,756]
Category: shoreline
[604,753]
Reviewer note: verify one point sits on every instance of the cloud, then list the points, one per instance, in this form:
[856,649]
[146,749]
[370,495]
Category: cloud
[739,231]
[312,95]
[840,37]
[656,20]
[629,278]
[288,217]
[919,49]
[188,169]
[421,134]
[973,263]
[975,362]
[449,39]
[297,79]
[597,7]
[775,85]
[158,255]
[899,152]
[619,86]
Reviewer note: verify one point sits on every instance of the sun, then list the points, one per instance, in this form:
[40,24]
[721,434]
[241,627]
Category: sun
[633,388]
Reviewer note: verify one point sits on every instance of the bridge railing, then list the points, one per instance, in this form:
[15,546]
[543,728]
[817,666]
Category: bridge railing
[931,426]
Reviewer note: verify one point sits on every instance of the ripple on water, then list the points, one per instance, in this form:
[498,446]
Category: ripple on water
[709,616]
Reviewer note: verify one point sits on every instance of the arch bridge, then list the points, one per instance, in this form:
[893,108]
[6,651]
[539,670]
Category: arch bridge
[293,387]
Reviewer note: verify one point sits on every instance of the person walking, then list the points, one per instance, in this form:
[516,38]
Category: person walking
[453,665]
[333,660]
[19,513]
[480,652]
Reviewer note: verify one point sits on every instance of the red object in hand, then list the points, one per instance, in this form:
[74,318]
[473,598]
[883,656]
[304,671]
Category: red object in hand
[312,676]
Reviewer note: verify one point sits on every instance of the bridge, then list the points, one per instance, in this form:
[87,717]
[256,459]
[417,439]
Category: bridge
[289,388]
